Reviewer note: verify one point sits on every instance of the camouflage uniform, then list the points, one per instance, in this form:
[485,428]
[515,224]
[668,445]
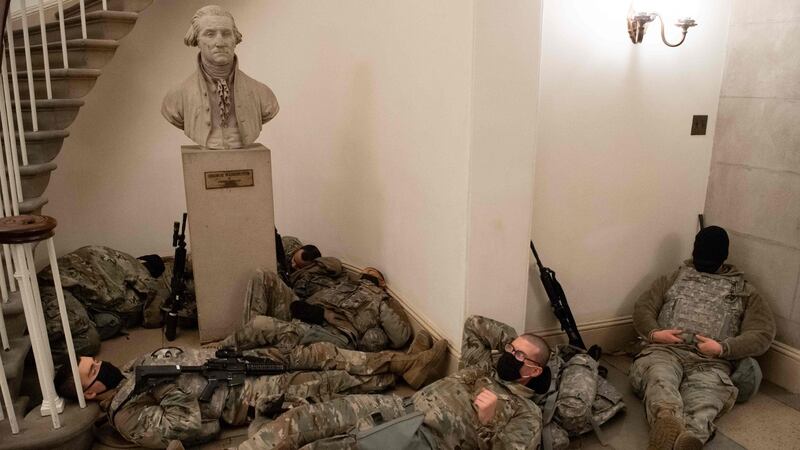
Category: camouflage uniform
[105,280]
[677,377]
[367,317]
[84,334]
[324,272]
[291,244]
[450,419]
[171,411]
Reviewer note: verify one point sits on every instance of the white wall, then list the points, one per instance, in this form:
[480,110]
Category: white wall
[370,149]
[504,101]
[619,180]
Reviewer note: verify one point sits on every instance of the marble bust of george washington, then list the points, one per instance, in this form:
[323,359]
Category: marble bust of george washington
[218,106]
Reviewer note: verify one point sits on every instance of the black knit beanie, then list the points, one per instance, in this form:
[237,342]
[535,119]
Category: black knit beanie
[710,249]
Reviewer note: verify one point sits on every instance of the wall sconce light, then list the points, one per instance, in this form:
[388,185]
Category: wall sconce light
[637,23]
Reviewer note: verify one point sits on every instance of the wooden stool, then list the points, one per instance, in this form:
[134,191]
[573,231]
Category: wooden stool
[21,233]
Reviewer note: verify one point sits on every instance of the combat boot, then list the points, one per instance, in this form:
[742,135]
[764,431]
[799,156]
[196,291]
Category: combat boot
[417,368]
[665,431]
[422,341]
[688,441]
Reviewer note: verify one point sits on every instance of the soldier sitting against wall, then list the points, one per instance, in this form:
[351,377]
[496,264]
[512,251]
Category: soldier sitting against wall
[353,312]
[700,322]
[171,411]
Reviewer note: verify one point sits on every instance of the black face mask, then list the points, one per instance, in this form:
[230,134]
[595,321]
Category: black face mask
[541,384]
[508,367]
[371,278]
[109,375]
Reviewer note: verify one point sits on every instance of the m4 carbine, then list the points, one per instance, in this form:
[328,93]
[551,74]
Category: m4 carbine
[178,283]
[229,368]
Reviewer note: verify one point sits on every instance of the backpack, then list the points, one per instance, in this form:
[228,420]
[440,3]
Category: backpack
[579,399]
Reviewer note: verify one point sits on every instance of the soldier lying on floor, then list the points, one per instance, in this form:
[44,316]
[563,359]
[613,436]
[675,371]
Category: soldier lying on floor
[493,401]
[488,403]
[172,411]
[354,313]
[104,290]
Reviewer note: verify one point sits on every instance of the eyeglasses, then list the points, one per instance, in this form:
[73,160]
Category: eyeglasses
[520,356]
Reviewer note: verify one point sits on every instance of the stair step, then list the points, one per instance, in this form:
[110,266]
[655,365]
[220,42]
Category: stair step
[13,313]
[52,114]
[32,206]
[14,361]
[43,145]
[35,177]
[36,432]
[82,54]
[21,406]
[107,25]
[66,83]
[113,5]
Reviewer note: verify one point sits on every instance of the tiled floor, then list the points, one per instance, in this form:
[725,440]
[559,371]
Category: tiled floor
[771,420]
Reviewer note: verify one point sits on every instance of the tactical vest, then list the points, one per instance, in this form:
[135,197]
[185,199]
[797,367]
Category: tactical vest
[704,303]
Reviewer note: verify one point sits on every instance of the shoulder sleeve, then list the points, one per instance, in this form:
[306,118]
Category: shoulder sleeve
[172,107]
[481,336]
[394,322]
[153,419]
[522,432]
[757,330]
[648,305]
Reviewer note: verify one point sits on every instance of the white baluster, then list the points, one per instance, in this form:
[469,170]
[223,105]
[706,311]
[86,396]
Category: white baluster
[62,309]
[3,333]
[12,417]
[8,132]
[83,19]
[35,323]
[27,42]
[63,33]
[45,52]
[105,5]
[20,126]
[37,297]
[10,205]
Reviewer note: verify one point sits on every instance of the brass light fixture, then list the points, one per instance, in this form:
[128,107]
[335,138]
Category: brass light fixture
[637,23]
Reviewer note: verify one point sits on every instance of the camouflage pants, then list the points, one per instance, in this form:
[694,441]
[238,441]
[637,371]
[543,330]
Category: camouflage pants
[268,295]
[694,387]
[265,331]
[324,425]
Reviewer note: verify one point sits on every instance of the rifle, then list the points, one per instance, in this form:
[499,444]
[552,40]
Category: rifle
[280,255]
[178,282]
[701,221]
[229,367]
[558,301]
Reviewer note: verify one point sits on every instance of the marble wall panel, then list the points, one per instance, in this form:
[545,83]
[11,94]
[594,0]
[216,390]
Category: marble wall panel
[758,132]
[749,11]
[771,268]
[763,61]
[758,202]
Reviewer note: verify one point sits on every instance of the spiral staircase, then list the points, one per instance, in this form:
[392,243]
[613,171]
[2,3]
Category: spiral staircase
[106,23]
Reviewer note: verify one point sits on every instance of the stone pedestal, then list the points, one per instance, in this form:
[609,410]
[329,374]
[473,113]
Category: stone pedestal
[231,230]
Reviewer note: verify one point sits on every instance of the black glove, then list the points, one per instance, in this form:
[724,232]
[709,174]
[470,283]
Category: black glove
[308,313]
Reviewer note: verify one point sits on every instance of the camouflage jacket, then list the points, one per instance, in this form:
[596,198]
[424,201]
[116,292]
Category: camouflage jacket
[325,272]
[172,411]
[756,329]
[372,319]
[104,279]
[84,334]
[291,244]
[450,417]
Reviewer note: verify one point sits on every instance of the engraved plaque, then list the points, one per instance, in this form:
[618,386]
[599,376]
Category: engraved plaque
[229,179]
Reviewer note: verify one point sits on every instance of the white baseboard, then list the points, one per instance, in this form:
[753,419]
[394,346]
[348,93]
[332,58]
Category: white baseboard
[781,365]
